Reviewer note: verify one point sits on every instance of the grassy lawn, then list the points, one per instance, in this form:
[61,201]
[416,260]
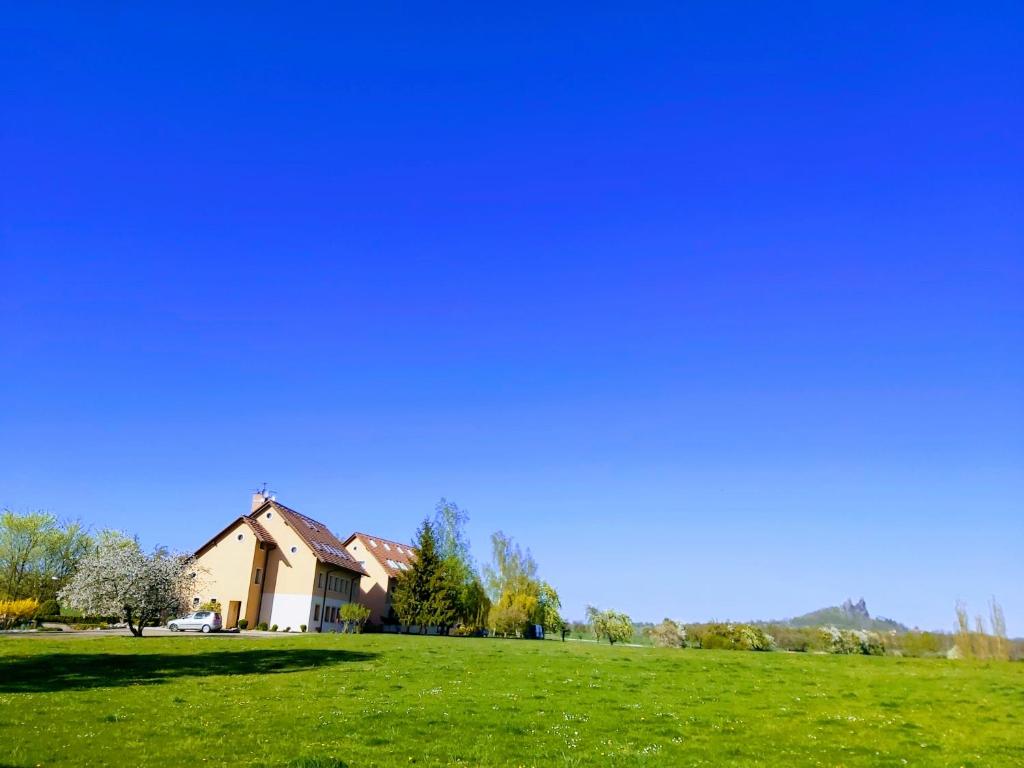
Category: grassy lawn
[386,700]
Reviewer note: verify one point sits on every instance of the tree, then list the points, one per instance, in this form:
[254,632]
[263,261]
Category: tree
[471,599]
[117,578]
[668,634]
[427,594]
[354,615]
[476,605]
[512,612]
[37,553]
[65,547]
[613,626]
[963,634]
[444,601]
[548,606]
[449,526]
[519,597]
[1000,643]
[511,569]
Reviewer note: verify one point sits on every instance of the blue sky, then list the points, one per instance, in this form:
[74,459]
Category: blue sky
[716,308]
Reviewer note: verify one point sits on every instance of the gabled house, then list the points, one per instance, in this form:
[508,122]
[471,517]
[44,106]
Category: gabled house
[277,566]
[382,560]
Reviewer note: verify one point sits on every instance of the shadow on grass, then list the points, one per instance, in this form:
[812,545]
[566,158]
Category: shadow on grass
[49,672]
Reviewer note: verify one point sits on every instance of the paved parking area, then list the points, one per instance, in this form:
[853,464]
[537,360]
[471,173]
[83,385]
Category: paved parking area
[150,632]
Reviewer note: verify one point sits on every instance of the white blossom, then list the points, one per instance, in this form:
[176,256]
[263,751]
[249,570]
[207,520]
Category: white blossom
[118,579]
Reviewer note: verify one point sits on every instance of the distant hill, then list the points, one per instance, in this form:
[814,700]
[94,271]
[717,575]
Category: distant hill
[849,615]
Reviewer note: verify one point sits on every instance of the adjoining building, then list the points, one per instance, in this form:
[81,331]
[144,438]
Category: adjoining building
[277,566]
[382,560]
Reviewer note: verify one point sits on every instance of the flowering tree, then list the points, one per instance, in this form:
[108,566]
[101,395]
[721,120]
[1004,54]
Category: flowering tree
[668,634]
[116,578]
[613,626]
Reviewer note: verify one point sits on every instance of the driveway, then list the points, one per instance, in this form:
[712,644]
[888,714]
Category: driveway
[149,632]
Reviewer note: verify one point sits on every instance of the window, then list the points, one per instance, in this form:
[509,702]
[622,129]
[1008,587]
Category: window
[269,515]
[195,602]
[316,612]
[240,537]
[352,590]
[320,579]
[258,574]
[294,550]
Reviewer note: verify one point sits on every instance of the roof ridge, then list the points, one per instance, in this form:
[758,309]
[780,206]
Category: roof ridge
[332,551]
[382,539]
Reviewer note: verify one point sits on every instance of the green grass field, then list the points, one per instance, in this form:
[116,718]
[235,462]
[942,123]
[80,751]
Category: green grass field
[319,700]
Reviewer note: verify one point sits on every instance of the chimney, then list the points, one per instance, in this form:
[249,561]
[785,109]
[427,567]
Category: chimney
[258,500]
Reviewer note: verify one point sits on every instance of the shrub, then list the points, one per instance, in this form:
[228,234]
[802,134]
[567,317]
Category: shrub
[354,615]
[15,612]
[80,619]
[48,608]
[273,627]
[262,626]
[668,634]
[799,639]
[243,623]
[732,637]
[847,641]
[287,629]
[917,643]
[302,627]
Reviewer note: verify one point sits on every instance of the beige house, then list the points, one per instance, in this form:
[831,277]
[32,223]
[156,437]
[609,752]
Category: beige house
[277,566]
[382,560]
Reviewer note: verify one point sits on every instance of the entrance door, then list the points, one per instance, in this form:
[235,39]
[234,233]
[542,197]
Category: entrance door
[234,606]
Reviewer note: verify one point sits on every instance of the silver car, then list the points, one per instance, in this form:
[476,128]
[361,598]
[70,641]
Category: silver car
[204,621]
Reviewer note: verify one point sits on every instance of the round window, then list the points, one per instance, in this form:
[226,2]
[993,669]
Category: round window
[294,550]
[240,537]
[269,515]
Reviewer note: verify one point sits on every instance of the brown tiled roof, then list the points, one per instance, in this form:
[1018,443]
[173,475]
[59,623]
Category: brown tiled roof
[261,533]
[386,552]
[318,537]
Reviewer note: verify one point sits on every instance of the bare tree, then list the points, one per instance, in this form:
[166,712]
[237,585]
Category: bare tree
[963,632]
[1000,643]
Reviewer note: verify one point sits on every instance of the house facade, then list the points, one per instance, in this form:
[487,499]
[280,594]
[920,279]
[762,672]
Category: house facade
[382,560]
[278,566]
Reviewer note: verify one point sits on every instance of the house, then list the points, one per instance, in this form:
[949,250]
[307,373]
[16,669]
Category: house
[278,566]
[382,560]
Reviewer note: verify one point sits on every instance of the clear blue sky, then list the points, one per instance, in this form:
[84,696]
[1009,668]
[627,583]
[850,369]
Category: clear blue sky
[718,308]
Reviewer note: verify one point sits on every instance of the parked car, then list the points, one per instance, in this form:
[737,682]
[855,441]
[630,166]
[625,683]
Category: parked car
[203,621]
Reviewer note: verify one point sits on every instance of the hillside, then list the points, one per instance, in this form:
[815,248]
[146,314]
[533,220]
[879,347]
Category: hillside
[849,615]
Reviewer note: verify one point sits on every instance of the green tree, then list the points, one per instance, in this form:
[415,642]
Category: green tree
[476,605]
[354,615]
[453,548]
[613,626]
[548,607]
[38,554]
[427,594]
[511,569]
